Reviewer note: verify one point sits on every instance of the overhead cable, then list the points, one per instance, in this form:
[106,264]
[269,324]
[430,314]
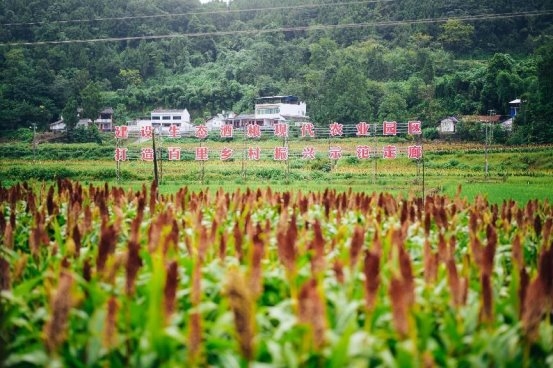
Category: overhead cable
[173,15]
[319,27]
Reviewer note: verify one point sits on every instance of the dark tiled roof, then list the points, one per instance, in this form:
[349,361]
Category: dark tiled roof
[482,118]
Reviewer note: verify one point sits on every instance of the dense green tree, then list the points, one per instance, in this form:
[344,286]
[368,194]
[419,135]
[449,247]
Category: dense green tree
[321,52]
[504,81]
[457,36]
[358,61]
[70,115]
[393,107]
[344,97]
[540,102]
[91,101]
[129,77]
[23,93]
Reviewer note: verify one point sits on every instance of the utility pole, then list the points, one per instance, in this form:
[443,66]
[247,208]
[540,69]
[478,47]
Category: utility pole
[155,157]
[33,127]
[486,128]
[375,157]
[285,144]
[421,160]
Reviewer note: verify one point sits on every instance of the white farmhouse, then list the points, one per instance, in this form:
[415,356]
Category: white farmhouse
[137,124]
[216,122]
[162,120]
[447,125]
[271,110]
[280,108]
[58,126]
[104,122]
[165,118]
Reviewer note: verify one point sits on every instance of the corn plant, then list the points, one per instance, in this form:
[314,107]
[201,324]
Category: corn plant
[102,276]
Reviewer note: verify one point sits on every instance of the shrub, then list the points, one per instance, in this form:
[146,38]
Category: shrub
[430,133]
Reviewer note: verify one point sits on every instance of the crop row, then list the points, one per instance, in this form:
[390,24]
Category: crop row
[95,276]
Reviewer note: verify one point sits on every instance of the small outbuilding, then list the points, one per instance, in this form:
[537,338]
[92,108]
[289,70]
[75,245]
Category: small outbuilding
[447,125]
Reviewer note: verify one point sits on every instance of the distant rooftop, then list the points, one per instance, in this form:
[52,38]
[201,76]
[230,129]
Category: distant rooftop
[296,118]
[167,110]
[482,118]
[242,117]
[278,99]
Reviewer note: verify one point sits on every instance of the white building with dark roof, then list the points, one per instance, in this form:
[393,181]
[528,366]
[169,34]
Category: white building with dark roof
[217,121]
[58,126]
[163,119]
[287,109]
[104,122]
[282,108]
[166,118]
[270,110]
[447,125]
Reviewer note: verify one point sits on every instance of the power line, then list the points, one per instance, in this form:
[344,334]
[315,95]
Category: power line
[320,27]
[171,15]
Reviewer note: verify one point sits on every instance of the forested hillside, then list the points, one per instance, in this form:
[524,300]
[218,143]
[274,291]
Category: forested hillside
[349,60]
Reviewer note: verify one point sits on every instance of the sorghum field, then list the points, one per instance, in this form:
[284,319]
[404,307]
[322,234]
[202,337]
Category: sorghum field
[96,276]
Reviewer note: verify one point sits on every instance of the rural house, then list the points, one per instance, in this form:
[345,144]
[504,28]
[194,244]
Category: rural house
[217,121]
[104,122]
[58,126]
[163,119]
[241,120]
[270,110]
[447,125]
[287,109]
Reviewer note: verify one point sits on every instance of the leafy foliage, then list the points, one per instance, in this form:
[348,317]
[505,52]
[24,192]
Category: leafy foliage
[244,49]
[101,276]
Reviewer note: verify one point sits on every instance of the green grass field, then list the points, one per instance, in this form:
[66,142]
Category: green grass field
[99,277]
[519,173]
[300,273]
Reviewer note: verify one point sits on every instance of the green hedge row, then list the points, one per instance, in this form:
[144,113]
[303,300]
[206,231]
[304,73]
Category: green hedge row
[49,174]
[56,151]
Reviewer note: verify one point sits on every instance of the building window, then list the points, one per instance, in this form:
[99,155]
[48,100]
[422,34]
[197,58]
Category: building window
[156,117]
[270,110]
[166,118]
[176,117]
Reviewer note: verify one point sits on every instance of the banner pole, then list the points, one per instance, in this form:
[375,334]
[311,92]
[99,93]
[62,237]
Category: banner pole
[117,163]
[422,157]
[285,144]
[375,158]
[244,145]
[156,179]
[202,168]
[160,157]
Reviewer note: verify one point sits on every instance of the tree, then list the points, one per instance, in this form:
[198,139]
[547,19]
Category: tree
[212,70]
[392,107]
[129,77]
[91,101]
[321,52]
[344,97]
[121,113]
[540,102]
[70,116]
[23,94]
[502,83]
[456,35]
